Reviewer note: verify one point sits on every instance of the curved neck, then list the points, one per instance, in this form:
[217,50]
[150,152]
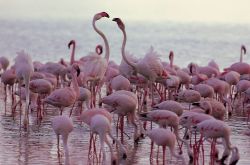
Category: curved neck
[72,57]
[104,38]
[176,132]
[133,65]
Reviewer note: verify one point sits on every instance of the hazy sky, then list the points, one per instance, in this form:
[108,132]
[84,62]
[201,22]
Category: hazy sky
[233,11]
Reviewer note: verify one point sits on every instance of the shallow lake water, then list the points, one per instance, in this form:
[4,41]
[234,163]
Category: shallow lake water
[38,146]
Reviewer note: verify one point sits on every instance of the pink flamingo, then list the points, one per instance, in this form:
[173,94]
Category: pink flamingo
[84,97]
[204,90]
[170,105]
[94,66]
[124,103]
[150,66]
[120,83]
[63,125]
[24,69]
[240,67]
[232,78]
[56,69]
[214,129]
[171,68]
[67,96]
[165,138]
[99,121]
[43,87]
[189,96]
[196,77]
[166,118]
[8,78]
[221,88]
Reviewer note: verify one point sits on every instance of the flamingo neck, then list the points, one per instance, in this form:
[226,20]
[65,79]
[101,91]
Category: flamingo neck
[104,38]
[190,153]
[72,58]
[177,156]
[241,55]
[171,62]
[75,84]
[133,65]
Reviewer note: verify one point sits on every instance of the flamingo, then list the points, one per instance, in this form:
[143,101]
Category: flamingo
[204,90]
[171,68]
[150,66]
[213,128]
[8,77]
[240,67]
[67,96]
[84,97]
[124,103]
[120,83]
[196,77]
[166,118]
[189,96]
[63,125]
[42,87]
[24,69]
[56,69]
[161,117]
[220,87]
[99,121]
[207,70]
[94,66]
[232,78]
[170,105]
[165,138]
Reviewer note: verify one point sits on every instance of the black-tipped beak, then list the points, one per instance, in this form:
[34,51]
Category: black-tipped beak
[78,71]
[70,43]
[143,115]
[104,14]
[196,104]
[244,49]
[115,19]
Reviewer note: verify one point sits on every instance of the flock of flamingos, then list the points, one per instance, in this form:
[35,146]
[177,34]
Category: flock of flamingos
[189,104]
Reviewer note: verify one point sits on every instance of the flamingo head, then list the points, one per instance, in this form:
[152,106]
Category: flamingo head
[76,67]
[98,49]
[71,42]
[243,48]
[164,74]
[171,55]
[119,23]
[100,15]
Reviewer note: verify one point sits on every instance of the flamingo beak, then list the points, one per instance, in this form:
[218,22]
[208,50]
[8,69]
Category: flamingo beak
[98,49]
[70,43]
[196,104]
[78,71]
[115,19]
[104,14]
[244,49]
[164,74]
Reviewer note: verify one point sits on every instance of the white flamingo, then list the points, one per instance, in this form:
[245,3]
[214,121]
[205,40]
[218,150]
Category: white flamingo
[24,69]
